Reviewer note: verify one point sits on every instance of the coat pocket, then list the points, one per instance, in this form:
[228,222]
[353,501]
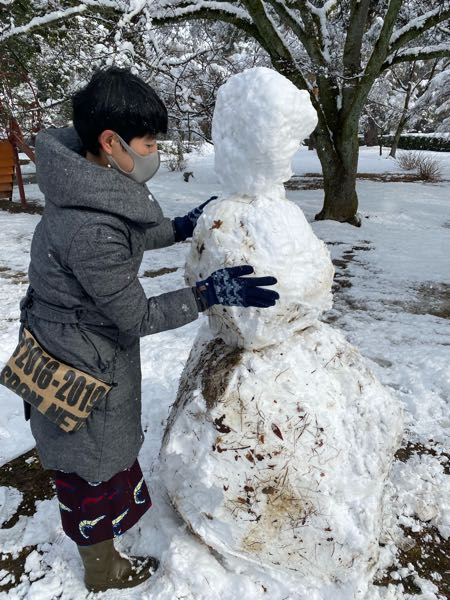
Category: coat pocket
[76,345]
[101,350]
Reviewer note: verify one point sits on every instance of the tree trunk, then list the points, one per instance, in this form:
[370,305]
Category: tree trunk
[404,118]
[339,159]
[398,133]
[371,133]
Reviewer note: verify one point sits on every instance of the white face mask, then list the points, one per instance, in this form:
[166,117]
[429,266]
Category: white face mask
[144,167]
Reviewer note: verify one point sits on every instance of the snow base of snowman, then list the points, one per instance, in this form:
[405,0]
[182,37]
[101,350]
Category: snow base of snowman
[279,455]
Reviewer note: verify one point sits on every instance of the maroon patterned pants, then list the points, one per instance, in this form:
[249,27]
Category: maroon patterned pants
[92,512]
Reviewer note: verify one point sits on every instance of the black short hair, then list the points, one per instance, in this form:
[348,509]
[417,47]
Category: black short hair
[116,99]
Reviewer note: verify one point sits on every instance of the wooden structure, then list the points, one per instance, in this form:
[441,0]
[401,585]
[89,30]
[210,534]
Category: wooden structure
[10,163]
[9,154]
[7,164]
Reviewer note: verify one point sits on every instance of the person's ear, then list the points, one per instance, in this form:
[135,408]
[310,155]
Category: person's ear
[107,140]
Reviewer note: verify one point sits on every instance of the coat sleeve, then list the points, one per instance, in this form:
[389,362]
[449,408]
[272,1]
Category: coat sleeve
[160,235]
[101,260]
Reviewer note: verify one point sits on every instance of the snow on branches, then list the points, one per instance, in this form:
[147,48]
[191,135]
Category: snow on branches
[336,50]
[417,26]
[9,27]
[48,18]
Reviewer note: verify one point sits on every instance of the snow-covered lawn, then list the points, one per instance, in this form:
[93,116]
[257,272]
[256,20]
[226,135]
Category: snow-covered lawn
[392,300]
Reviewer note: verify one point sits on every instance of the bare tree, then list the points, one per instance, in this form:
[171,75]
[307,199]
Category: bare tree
[432,109]
[346,45]
[413,80]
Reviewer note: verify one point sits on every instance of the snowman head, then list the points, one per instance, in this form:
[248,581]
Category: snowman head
[259,122]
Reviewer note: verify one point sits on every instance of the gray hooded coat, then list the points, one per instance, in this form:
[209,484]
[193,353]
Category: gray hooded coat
[86,305]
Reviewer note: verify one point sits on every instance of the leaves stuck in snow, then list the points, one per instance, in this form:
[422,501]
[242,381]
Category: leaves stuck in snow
[277,431]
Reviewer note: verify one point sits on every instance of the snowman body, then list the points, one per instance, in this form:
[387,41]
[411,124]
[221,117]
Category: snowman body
[279,442]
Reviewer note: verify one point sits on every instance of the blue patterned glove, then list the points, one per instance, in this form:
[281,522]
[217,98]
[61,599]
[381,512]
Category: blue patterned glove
[228,287]
[184,226]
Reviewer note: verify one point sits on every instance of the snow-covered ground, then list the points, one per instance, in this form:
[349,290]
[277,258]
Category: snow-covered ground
[392,301]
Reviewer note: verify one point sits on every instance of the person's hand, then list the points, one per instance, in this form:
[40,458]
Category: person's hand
[184,226]
[228,287]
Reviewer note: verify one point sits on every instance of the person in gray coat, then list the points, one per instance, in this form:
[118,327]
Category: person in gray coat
[86,306]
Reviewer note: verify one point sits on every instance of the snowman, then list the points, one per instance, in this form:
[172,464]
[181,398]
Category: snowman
[279,442]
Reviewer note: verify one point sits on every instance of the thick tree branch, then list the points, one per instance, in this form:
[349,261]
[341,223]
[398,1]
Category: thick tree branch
[314,35]
[272,41]
[60,15]
[418,26]
[288,19]
[353,40]
[316,44]
[358,97]
[188,12]
[51,17]
[382,45]
[411,54]
[185,9]
[318,22]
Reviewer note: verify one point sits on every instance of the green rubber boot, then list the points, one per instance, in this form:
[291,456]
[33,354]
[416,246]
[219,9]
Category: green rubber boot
[105,568]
